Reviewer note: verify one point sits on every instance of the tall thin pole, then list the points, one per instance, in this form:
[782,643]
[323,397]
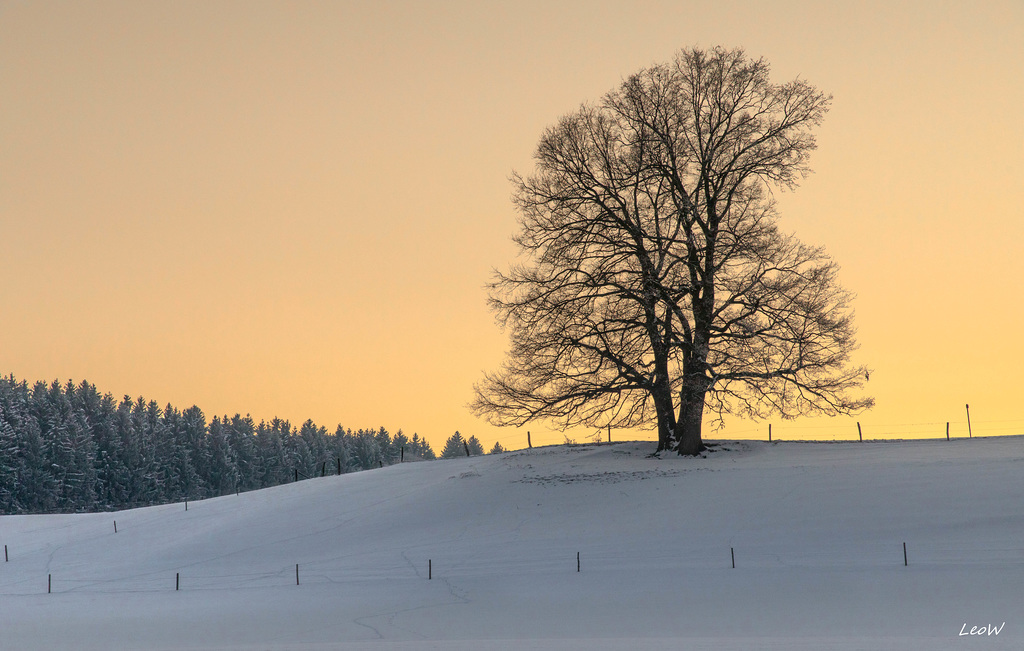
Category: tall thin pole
[528,443]
[769,432]
[859,434]
[968,421]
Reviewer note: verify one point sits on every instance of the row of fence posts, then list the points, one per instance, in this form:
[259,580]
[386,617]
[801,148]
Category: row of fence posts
[529,443]
[860,433]
[323,466]
[430,568]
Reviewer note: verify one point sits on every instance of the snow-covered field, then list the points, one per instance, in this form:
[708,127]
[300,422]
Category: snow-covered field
[817,530]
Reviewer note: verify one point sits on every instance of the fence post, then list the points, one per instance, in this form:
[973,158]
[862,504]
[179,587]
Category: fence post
[5,553]
[769,432]
[430,569]
[732,551]
[969,422]
[904,554]
[177,581]
[577,561]
[296,474]
[401,459]
[339,465]
[49,583]
[859,434]
[609,432]
[186,505]
[528,444]
[296,574]
[947,430]
[115,526]
[466,445]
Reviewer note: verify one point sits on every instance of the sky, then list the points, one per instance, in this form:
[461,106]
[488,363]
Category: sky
[292,209]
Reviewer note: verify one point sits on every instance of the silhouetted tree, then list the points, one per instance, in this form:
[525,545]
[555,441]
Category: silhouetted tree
[658,284]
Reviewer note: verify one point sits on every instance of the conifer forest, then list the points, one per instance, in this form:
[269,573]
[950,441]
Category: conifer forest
[69,448]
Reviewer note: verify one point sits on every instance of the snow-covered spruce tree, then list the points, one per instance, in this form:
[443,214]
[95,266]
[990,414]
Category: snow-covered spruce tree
[339,448]
[9,465]
[421,447]
[497,449]
[656,284]
[454,447]
[366,452]
[400,442]
[476,448]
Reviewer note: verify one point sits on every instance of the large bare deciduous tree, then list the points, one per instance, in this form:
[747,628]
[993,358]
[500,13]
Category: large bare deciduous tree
[655,285]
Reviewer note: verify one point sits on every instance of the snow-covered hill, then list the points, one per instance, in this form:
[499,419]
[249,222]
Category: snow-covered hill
[481,553]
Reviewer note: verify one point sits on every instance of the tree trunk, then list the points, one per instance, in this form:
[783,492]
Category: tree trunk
[691,415]
[666,418]
[666,425]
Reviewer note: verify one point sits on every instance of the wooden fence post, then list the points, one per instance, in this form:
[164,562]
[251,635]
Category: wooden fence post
[528,444]
[947,430]
[430,569]
[339,465]
[859,434]
[49,583]
[177,581]
[401,459]
[296,574]
[577,561]
[769,432]
[5,553]
[115,526]
[904,554]
[732,551]
[969,422]
[609,432]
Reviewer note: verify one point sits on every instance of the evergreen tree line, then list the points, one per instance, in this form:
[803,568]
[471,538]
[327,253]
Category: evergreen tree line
[68,448]
[457,446]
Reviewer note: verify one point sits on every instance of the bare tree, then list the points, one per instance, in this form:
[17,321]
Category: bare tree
[656,284]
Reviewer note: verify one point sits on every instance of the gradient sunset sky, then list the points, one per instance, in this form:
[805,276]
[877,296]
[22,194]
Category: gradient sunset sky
[291,208]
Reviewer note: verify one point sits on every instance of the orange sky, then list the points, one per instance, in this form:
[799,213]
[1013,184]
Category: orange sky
[291,209]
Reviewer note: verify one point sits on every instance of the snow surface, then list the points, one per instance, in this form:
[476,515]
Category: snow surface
[817,528]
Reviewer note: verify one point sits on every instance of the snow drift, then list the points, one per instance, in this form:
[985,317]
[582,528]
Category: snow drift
[567,547]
